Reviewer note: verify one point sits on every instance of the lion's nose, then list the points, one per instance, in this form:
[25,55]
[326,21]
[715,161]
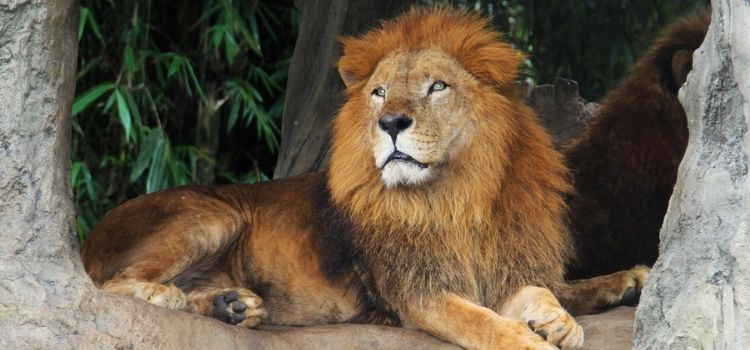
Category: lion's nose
[393,124]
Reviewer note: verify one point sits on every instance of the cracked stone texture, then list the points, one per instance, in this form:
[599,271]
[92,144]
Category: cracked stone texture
[46,299]
[698,294]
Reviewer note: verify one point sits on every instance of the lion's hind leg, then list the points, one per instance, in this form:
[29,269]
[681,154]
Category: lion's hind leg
[159,246]
[602,292]
[237,306]
[167,296]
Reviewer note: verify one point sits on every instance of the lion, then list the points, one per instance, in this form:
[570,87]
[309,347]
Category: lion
[442,210]
[625,162]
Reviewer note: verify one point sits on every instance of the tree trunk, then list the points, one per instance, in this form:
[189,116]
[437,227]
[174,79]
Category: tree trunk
[314,89]
[698,295]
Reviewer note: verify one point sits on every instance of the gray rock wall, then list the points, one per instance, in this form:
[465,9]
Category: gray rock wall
[698,295]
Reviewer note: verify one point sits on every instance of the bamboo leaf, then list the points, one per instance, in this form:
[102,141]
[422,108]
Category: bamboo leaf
[110,103]
[124,112]
[132,107]
[217,35]
[175,66]
[89,181]
[90,96]
[75,171]
[177,169]
[156,179]
[95,27]
[83,13]
[77,126]
[196,83]
[146,152]
[130,59]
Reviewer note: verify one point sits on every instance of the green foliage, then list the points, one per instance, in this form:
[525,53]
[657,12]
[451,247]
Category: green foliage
[591,41]
[176,92]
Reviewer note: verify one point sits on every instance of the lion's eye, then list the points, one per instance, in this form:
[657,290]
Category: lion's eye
[380,91]
[438,86]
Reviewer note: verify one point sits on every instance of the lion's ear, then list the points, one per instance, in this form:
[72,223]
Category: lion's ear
[495,63]
[348,76]
[360,56]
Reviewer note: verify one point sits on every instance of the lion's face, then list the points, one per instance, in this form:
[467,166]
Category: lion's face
[431,105]
[418,115]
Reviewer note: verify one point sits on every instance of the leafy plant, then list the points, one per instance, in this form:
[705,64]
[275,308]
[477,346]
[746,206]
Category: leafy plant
[175,92]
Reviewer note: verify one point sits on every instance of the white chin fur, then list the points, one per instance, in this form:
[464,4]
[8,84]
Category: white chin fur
[400,173]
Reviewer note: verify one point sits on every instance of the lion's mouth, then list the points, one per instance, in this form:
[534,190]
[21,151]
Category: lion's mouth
[400,156]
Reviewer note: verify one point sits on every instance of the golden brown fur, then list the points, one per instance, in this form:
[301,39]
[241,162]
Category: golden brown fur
[464,238]
[514,199]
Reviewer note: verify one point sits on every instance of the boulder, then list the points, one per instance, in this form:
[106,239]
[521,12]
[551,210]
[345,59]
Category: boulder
[698,294]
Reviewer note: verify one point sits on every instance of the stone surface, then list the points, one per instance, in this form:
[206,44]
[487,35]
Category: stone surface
[611,330]
[698,294]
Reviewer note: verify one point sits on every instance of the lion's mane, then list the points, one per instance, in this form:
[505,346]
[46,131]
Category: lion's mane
[493,221]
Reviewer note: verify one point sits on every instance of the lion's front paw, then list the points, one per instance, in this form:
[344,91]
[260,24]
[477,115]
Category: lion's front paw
[525,338]
[544,315]
[239,307]
[554,324]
